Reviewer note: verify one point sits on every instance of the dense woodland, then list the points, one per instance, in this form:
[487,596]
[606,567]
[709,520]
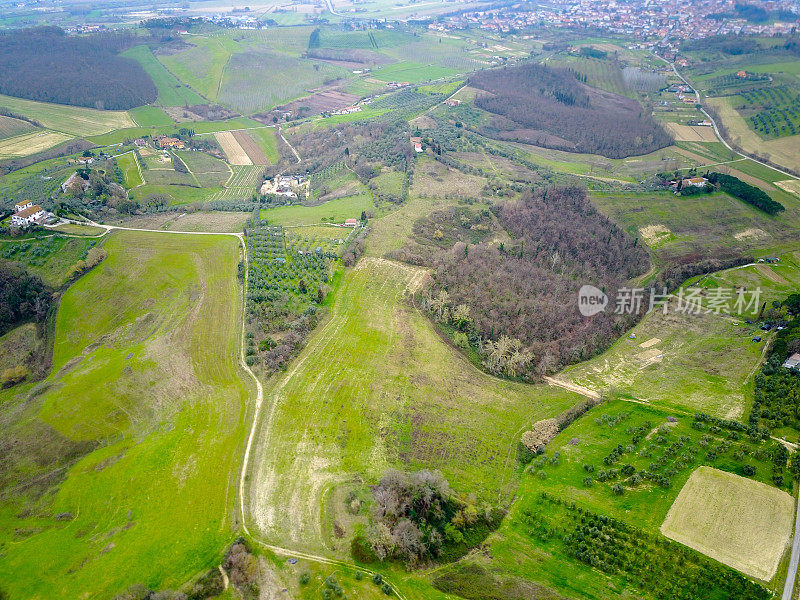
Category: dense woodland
[23,297]
[417,518]
[516,302]
[776,398]
[47,65]
[550,107]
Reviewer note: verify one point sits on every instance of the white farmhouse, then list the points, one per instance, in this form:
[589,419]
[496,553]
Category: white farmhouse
[31,214]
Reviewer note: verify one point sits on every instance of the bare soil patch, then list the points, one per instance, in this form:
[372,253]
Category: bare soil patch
[692,133]
[233,150]
[249,145]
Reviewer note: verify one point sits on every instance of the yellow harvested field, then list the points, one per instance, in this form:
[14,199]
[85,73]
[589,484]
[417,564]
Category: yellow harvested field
[31,143]
[790,185]
[782,151]
[73,120]
[232,149]
[692,133]
[742,523]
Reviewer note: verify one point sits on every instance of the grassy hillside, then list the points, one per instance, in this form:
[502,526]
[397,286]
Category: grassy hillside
[171,92]
[72,120]
[376,388]
[145,394]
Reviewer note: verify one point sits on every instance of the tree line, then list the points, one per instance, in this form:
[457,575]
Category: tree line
[45,64]
[746,192]
[549,107]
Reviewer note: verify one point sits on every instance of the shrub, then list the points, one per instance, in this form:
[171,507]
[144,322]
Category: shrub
[377,579]
[304,578]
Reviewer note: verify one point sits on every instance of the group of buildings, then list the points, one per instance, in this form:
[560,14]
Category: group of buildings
[650,19]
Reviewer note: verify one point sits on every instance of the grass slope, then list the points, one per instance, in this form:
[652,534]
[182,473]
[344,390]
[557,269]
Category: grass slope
[145,367]
[71,120]
[376,388]
[171,92]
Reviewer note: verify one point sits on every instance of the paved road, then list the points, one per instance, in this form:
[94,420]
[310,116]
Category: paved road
[716,129]
[788,587]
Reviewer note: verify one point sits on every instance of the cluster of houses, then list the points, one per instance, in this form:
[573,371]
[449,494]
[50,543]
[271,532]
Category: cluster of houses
[396,85]
[286,186]
[163,141]
[683,92]
[27,213]
[347,110]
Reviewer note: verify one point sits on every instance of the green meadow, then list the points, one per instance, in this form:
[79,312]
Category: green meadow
[146,396]
[333,211]
[71,120]
[376,388]
[171,92]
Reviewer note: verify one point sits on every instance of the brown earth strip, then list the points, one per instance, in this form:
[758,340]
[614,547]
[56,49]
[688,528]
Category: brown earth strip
[250,146]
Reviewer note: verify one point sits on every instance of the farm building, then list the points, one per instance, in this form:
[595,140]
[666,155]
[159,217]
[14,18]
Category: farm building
[793,362]
[347,110]
[452,102]
[19,206]
[351,222]
[695,181]
[32,214]
[170,142]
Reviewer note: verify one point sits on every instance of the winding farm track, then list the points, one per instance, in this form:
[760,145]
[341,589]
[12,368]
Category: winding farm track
[259,401]
[716,129]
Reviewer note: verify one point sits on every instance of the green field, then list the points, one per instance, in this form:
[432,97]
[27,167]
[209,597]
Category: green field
[689,361]
[209,172]
[267,141]
[257,80]
[146,388]
[202,66]
[50,258]
[10,127]
[150,116]
[705,225]
[334,211]
[71,120]
[377,388]
[532,543]
[171,92]
[413,72]
[130,169]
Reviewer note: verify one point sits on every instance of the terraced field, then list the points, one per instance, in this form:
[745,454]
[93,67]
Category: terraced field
[376,388]
[146,384]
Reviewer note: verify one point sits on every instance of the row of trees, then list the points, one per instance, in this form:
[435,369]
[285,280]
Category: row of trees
[746,192]
[563,113]
[47,65]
